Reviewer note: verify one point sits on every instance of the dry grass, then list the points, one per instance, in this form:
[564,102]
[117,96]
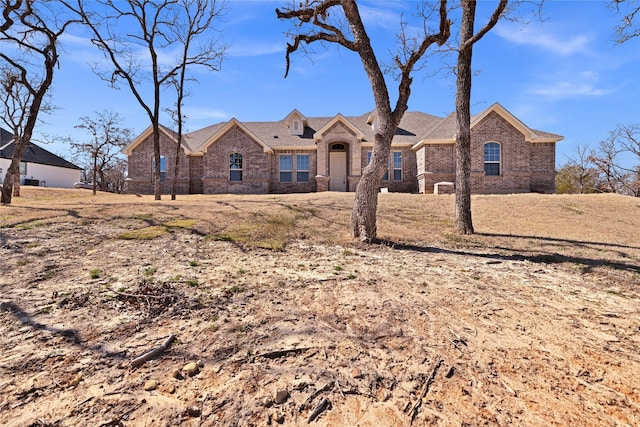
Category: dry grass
[534,317]
[565,224]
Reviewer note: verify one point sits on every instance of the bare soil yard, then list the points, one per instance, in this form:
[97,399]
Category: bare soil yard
[533,321]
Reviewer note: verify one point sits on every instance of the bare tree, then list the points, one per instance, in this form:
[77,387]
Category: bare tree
[106,139]
[199,15]
[115,174]
[320,21]
[629,12]
[615,174]
[124,29]
[578,174]
[463,220]
[29,55]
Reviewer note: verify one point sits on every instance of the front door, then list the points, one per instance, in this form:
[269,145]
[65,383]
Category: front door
[338,171]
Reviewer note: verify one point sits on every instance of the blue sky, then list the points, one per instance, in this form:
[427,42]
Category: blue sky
[564,75]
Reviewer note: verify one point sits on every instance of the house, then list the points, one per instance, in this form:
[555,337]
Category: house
[307,154]
[38,166]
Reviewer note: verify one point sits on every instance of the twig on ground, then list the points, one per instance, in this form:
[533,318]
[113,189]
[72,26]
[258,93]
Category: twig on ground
[416,407]
[279,353]
[321,407]
[139,361]
[313,395]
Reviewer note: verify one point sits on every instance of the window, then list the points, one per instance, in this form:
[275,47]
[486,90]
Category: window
[386,173]
[23,168]
[397,166]
[163,167]
[302,168]
[492,159]
[286,168]
[235,167]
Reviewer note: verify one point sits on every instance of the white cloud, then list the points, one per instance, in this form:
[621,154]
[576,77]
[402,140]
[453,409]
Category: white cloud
[205,114]
[566,89]
[376,16]
[255,48]
[543,37]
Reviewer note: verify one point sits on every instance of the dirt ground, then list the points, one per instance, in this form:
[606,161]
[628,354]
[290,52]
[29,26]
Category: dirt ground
[522,324]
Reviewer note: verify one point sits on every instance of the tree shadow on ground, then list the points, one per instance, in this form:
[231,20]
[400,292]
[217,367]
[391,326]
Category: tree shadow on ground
[71,336]
[537,257]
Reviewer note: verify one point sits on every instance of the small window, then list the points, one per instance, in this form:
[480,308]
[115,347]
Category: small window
[286,168]
[23,168]
[492,159]
[302,168]
[397,166]
[386,172]
[235,167]
[163,168]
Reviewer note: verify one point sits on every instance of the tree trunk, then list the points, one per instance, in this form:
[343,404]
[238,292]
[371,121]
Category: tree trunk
[95,173]
[16,185]
[157,184]
[365,205]
[463,221]
[11,186]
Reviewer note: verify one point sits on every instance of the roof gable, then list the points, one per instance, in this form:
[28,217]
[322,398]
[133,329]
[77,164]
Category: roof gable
[293,115]
[128,150]
[530,135]
[230,125]
[339,118]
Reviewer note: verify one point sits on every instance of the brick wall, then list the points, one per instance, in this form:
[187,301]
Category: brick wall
[256,165]
[515,157]
[408,184]
[434,163]
[543,167]
[140,165]
[294,187]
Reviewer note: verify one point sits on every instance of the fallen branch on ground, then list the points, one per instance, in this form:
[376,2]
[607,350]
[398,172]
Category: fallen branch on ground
[416,407]
[321,407]
[313,395]
[139,361]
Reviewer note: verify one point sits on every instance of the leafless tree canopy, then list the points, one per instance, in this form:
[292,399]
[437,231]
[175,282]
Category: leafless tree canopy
[339,22]
[29,35]
[613,166]
[100,152]
[617,161]
[124,29]
[629,13]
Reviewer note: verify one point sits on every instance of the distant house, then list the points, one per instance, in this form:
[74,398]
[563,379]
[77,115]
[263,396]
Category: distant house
[307,154]
[38,166]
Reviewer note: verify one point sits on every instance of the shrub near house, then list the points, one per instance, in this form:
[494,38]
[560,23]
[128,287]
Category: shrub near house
[307,154]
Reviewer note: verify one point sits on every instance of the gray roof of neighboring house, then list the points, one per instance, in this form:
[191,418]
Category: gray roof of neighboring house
[32,153]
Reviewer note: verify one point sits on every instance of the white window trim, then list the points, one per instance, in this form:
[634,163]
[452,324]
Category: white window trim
[301,170]
[498,162]
[393,166]
[241,169]
[280,170]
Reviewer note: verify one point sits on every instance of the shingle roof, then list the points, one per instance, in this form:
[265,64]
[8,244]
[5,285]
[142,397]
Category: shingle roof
[33,153]
[276,134]
[5,137]
[415,128]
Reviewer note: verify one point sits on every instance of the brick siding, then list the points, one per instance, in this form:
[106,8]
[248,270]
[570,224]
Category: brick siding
[524,166]
[140,165]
